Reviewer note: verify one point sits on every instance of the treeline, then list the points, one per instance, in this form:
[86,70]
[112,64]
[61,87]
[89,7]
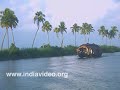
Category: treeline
[9,21]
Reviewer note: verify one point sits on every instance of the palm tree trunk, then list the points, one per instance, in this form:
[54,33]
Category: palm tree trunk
[48,38]
[102,41]
[75,38]
[7,37]
[13,36]
[35,37]
[88,38]
[3,40]
[106,40]
[110,42]
[62,41]
[58,38]
[85,38]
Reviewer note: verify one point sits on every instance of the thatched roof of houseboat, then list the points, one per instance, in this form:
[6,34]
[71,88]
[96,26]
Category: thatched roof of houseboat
[93,46]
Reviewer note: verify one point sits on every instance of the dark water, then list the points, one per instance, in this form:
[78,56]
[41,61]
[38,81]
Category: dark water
[84,74]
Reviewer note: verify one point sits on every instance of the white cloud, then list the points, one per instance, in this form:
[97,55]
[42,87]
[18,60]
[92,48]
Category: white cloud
[111,18]
[70,11]
[12,2]
[79,11]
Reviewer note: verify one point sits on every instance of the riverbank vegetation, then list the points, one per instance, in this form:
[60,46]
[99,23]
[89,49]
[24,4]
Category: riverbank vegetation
[14,53]
[44,51]
[9,21]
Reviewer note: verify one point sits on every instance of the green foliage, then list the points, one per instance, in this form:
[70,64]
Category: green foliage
[8,20]
[13,50]
[11,53]
[70,50]
[113,32]
[110,49]
[38,18]
[45,51]
[86,29]
[4,54]
[62,27]
[102,31]
[47,27]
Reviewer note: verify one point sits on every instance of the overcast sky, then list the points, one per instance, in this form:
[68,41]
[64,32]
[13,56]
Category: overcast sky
[95,12]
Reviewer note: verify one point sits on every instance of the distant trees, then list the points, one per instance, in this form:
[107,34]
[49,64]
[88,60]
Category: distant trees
[101,31]
[8,20]
[75,29]
[86,29]
[112,33]
[62,29]
[47,27]
[38,18]
[57,31]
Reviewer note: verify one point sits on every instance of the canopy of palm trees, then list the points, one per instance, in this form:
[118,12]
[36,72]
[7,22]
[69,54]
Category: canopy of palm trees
[8,20]
[62,29]
[39,17]
[75,29]
[113,32]
[47,27]
[86,29]
[102,31]
[57,30]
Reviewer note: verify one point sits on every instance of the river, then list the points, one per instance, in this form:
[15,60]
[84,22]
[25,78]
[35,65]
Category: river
[83,74]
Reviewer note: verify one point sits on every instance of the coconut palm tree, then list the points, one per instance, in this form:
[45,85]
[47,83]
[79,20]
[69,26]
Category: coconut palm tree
[8,20]
[13,24]
[5,24]
[86,29]
[47,27]
[90,29]
[106,35]
[62,28]
[75,28]
[112,33]
[102,31]
[57,30]
[39,18]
